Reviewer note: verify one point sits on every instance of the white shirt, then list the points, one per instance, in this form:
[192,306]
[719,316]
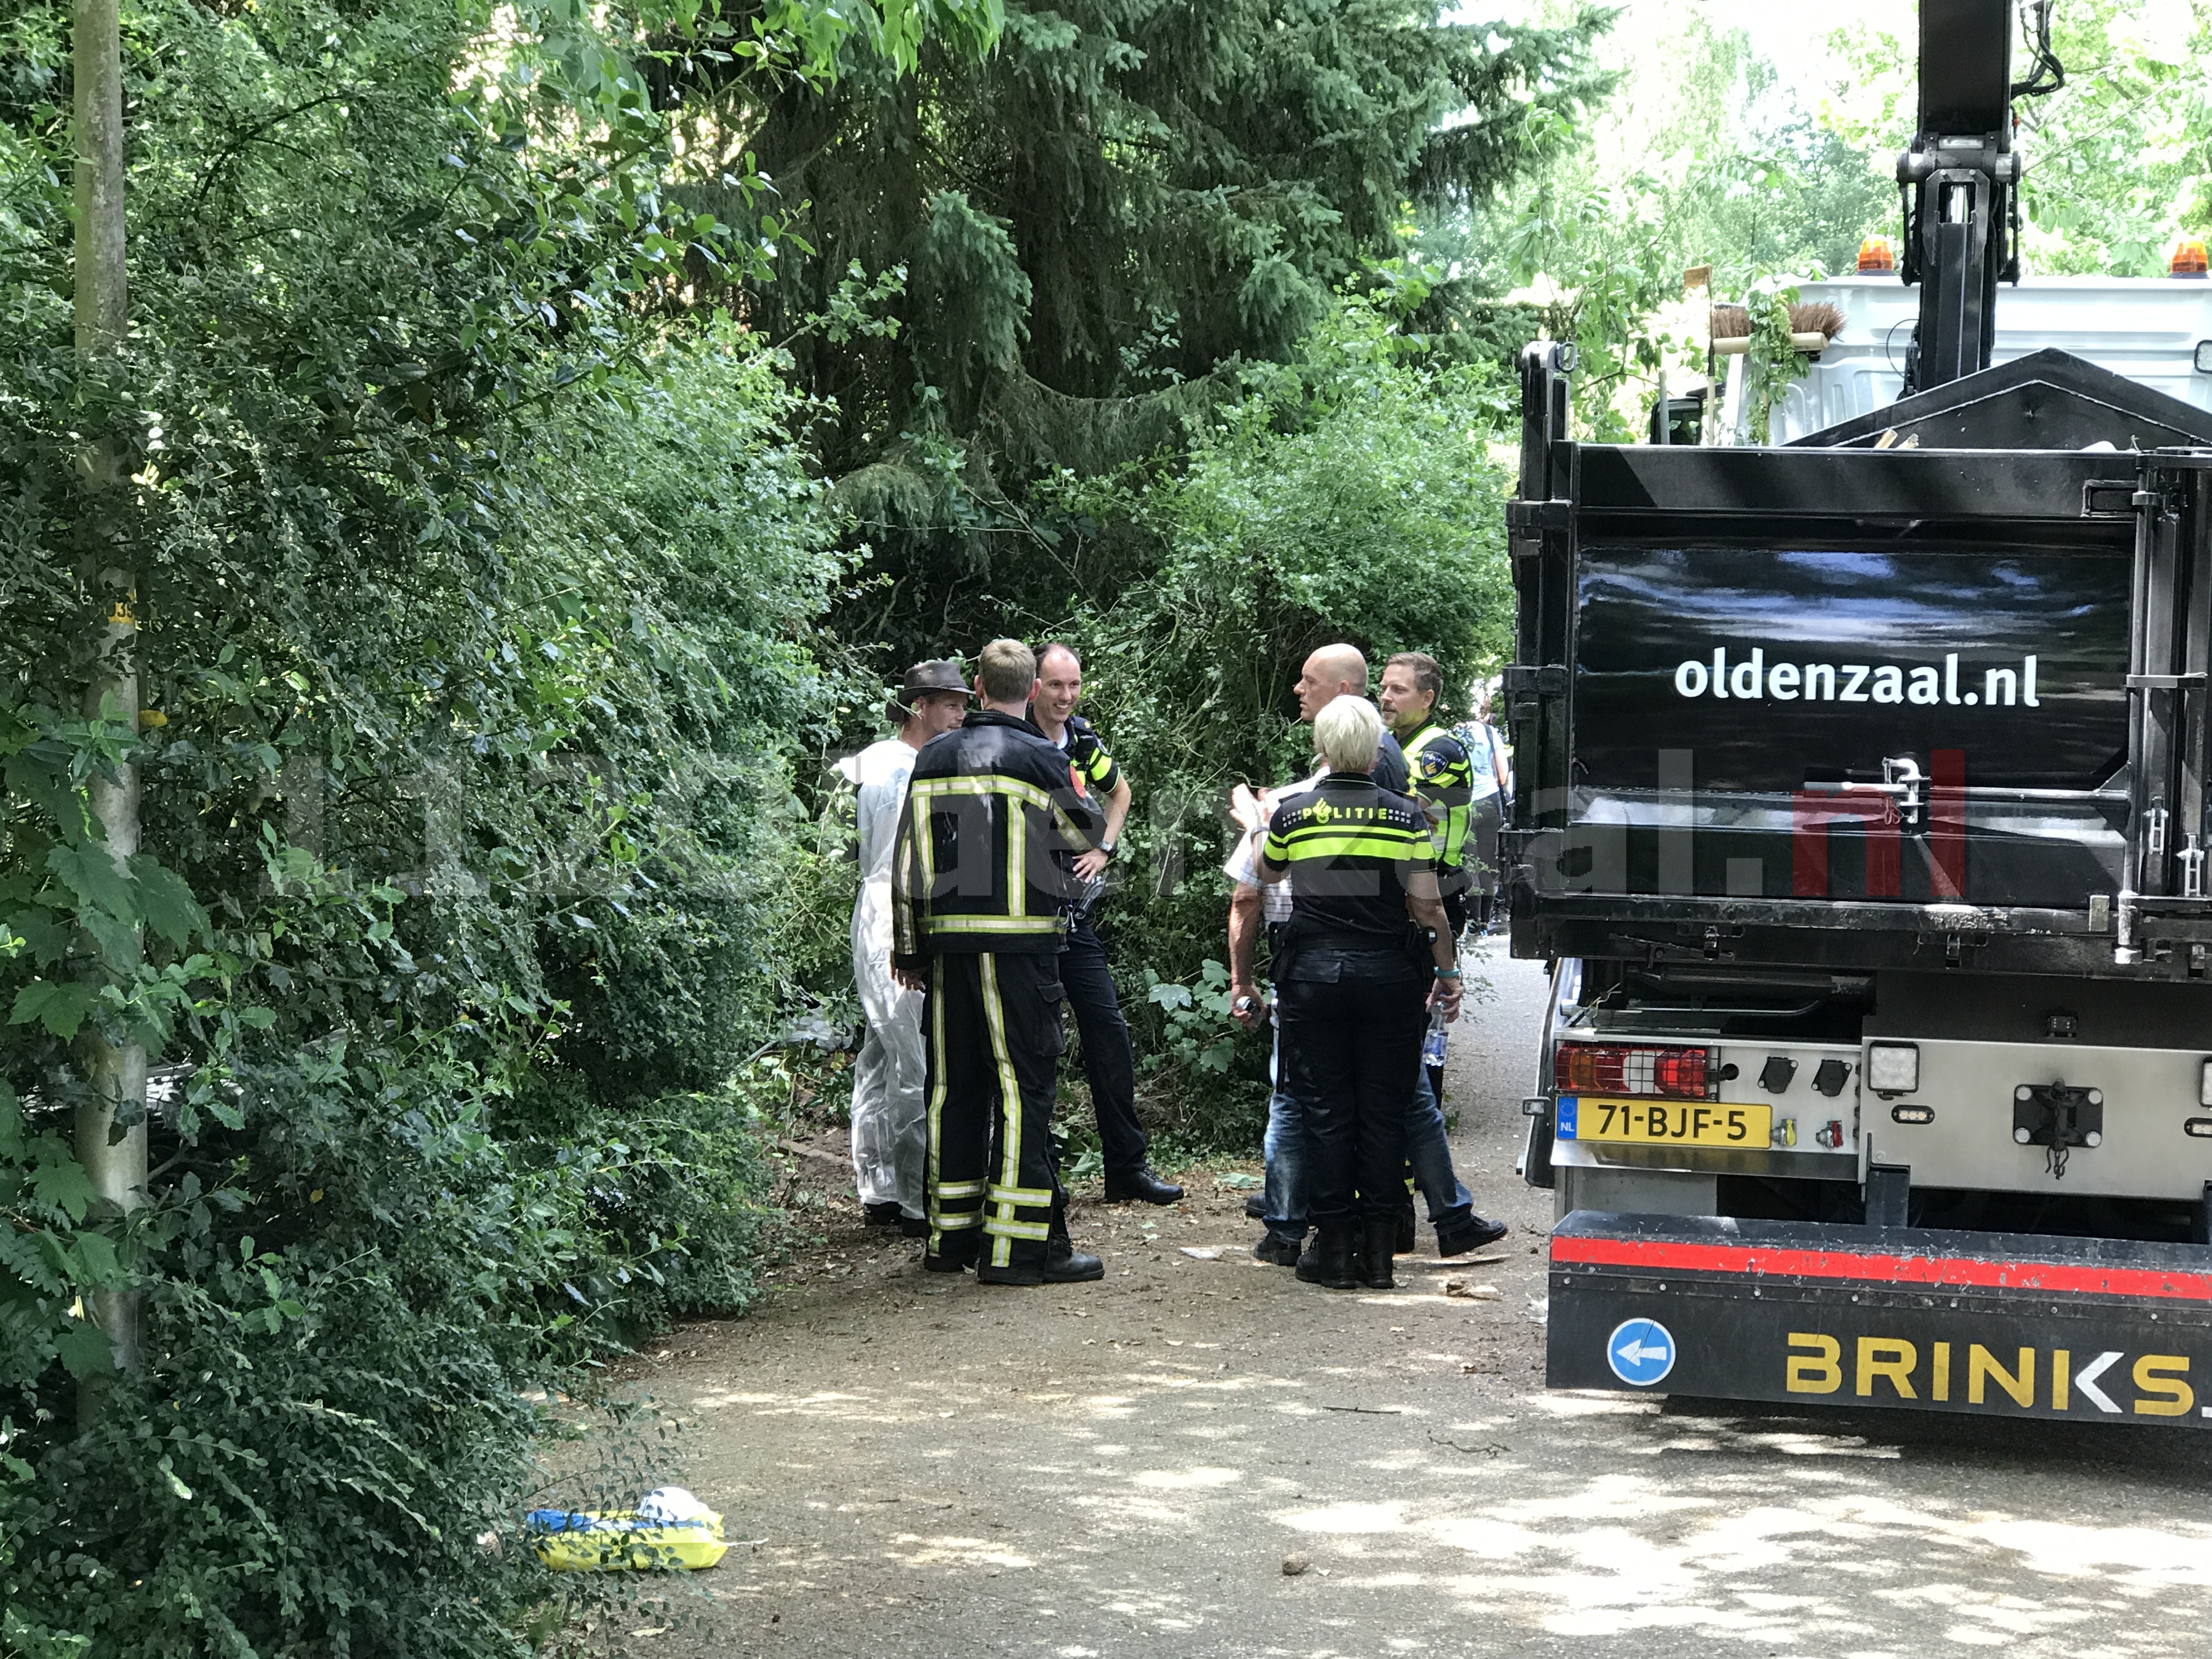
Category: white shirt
[1243,864]
[880,773]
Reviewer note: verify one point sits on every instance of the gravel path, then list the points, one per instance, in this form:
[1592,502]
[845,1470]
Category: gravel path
[1203,1457]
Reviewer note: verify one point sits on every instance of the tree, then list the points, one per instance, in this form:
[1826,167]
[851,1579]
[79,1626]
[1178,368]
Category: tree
[1095,225]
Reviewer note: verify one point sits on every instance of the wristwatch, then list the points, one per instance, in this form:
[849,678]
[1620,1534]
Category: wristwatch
[1107,848]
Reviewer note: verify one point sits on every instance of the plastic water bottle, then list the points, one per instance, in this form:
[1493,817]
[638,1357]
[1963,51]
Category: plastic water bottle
[1432,1045]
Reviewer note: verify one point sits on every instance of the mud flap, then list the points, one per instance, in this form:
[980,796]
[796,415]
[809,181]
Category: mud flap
[1994,1324]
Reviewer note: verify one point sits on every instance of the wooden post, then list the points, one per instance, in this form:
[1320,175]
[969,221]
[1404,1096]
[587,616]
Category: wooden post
[113,1158]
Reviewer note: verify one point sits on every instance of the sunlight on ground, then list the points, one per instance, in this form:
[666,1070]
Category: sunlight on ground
[1762,1535]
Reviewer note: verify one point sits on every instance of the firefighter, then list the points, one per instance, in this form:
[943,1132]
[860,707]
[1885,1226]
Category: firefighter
[1364,958]
[979,900]
[888,1131]
[1107,1060]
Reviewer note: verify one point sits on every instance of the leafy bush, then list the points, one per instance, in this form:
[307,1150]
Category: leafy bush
[475,609]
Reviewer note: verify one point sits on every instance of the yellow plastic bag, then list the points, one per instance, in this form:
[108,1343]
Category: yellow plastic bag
[669,1529]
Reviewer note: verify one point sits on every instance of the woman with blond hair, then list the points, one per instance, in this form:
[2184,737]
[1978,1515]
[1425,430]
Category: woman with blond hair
[1367,953]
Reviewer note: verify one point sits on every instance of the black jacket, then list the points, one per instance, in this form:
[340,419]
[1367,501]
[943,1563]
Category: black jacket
[987,808]
[1350,848]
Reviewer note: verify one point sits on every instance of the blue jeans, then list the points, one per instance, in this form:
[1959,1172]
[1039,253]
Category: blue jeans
[1284,1147]
[1430,1154]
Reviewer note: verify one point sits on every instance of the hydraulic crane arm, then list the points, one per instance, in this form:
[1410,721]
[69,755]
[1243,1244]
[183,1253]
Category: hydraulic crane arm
[1960,181]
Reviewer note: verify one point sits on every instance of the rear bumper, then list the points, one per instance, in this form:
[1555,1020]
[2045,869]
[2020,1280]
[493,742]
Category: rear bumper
[2109,1330]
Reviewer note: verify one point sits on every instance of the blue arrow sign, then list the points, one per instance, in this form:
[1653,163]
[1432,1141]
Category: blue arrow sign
[1641,1351]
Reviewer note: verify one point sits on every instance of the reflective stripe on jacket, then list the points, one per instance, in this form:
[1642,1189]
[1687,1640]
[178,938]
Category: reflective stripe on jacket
[1349,847]
[1443,782]
[989,806]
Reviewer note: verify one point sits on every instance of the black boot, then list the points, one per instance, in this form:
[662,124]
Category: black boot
[954,1252]
[1377,1235]
[1279,1248]
[1063,1263]
[1142,1184]
[1327,1260]
[1458,1234]
[885,1214]
[1066,1265]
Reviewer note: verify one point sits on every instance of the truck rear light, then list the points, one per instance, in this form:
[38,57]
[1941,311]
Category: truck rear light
[1892,1068]
[1604,1068]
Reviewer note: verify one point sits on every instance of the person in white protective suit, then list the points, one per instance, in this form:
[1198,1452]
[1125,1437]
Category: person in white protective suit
[890,1129]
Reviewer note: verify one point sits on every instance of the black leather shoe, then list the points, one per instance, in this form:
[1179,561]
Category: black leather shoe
[1457,1234]
[1279,1248]
[911,1227]
[886,1214]
[1256,1207]
[1142,1184]
[1376,1238]
[1327,1260]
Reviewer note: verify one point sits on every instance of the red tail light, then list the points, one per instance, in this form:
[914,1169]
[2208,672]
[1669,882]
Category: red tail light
[1599,1068]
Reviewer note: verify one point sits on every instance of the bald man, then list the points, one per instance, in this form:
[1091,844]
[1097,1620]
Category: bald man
[1340,670]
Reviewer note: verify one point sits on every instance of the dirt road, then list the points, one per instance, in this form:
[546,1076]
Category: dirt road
[1203,1457]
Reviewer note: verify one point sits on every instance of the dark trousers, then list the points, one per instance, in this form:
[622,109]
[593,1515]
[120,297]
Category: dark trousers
[995,1039]
[1106,1057]
[1352,1048]
[1489,816]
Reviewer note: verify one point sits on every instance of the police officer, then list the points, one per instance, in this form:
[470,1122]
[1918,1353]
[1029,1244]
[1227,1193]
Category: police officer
[1364,957]
[1443,781]
[1443,776]
[978,918]
[1106,1059]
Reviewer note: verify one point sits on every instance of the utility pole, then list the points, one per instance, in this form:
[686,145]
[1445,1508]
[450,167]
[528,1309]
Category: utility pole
[115,1074]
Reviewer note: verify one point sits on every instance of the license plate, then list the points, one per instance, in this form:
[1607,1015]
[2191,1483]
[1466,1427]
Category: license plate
[1669,1122]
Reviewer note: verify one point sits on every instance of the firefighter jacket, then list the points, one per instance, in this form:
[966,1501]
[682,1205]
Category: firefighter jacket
[988,808]
[1443,783]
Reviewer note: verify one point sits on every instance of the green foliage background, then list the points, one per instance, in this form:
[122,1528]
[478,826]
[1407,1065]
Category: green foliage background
[546,429]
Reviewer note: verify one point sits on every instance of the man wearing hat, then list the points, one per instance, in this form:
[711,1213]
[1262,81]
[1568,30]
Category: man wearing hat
[889,1130]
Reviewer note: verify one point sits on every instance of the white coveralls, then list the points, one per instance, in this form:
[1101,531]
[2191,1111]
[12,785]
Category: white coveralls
[889,1126]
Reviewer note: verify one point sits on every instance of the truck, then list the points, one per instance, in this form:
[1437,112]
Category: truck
[1860,809]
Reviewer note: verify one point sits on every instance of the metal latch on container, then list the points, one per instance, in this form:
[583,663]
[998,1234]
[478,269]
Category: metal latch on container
[1531,518]
[2108,498]
[1527,682]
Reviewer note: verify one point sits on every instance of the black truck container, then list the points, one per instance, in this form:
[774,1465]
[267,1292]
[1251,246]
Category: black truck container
[1860,811]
